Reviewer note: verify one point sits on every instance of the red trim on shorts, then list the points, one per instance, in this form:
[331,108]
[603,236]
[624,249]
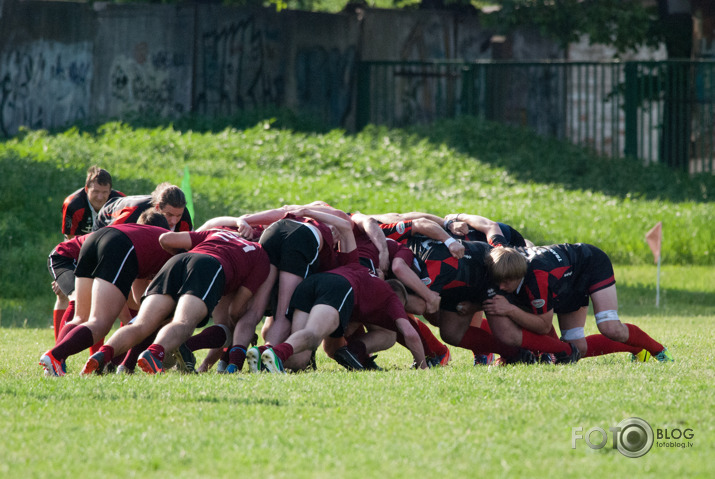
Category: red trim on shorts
[602,285]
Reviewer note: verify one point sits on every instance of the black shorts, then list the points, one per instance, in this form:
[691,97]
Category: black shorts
[62,270]
[325,288]
[196,274]
[291,247]
[593,272]
[109,254]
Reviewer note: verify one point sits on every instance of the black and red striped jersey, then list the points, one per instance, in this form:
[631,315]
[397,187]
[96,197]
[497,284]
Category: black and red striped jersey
[77,217]
[128,209]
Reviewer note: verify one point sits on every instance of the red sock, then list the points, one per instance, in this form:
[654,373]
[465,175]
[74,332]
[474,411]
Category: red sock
[262,348]
[57,315]
[157,350]
[108,353]
[433,344]
[553,334]
[211,337]
[95,347]
[67,317]
[283,351]
[479,341]
[237,355]
[543,343]
[598,345]
[77,340]
[64,332]
[637,337]
[485,325]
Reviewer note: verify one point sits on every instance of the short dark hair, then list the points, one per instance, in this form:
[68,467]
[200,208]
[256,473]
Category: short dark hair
[398,288]
[98,175]
[168,194]
[154,218]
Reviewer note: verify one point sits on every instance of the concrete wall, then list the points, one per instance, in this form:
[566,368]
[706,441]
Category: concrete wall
[65,62]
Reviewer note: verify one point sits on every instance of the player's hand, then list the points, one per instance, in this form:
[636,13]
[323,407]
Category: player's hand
[244,229]
[56,288]
[432,306]
[456,249]
[498,306]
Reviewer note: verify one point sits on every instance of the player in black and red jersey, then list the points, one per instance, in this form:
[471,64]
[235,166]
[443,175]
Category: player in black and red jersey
[80,209]
[219,264]
[112,262]
[166,198]
[561,279]
[61,263]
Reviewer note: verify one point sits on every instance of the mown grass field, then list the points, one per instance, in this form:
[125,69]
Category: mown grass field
[457,421]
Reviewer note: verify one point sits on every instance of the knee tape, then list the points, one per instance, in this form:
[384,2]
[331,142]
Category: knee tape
[572,334]
[229,336]
[610,315]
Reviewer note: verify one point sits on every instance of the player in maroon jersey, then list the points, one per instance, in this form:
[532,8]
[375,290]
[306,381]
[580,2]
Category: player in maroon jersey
[111,263]
[166,198]
[561,279]
[324,303]
[80,209]
[219,266]
[61,263]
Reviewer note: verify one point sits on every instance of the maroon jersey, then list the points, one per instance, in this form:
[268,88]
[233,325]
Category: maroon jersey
[145,238]
[77,216]
[70,248]
[244,263]
[128,210]
[562,276]
[373,297]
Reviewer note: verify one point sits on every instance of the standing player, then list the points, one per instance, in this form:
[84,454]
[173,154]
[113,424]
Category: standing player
[61,263]
[80,209]
[166,198]
[561,279]
[110,261]
[79,212]
[219,264]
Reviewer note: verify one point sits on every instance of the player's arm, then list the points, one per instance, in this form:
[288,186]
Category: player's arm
[412,341]
[413,215]
[491,229]
[536,323]
[435,231]
[175,242]
[373,231]
[409,278]
[344,226]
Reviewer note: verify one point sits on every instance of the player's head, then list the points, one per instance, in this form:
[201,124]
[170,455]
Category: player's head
[98,186]
[399,289]
[170,201]
[154,218]
[508,268]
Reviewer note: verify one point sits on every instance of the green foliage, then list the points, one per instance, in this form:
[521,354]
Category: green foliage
[623,24]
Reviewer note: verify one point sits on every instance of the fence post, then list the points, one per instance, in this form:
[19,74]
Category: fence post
[362,101]
[630,109]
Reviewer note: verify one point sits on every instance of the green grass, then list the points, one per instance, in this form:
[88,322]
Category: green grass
[457,421]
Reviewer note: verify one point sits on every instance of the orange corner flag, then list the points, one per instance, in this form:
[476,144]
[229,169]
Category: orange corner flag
[654,238]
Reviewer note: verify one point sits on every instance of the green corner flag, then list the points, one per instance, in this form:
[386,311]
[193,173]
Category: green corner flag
[186,188]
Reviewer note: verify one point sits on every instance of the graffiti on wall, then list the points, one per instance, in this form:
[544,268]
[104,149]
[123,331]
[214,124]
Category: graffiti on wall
[324,82]
[236,71]
[44,85]
[146,82]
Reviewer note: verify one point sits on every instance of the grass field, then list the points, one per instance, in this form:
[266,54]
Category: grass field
[460,420]
[467,421]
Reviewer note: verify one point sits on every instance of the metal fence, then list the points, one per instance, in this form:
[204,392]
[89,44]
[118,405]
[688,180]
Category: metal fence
[660,112]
